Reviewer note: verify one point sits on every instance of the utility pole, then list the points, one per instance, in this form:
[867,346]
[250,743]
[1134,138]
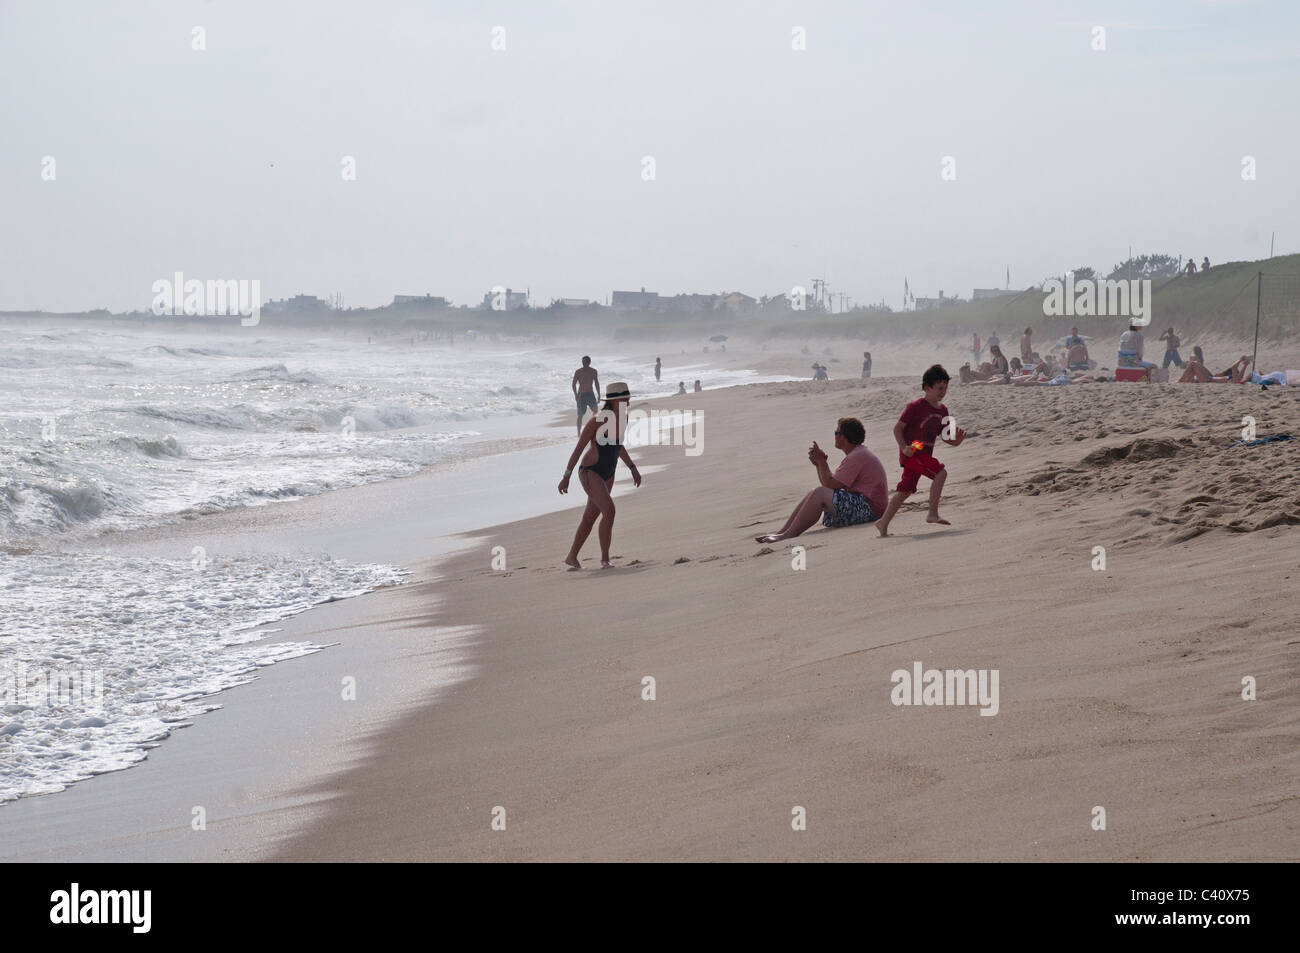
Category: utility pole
[1259,298]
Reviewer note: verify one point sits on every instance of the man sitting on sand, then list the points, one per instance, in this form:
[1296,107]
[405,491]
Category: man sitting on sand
[1076,351]
[1131,347]
[855,493]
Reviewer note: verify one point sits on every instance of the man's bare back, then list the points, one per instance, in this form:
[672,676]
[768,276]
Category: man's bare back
[586,380]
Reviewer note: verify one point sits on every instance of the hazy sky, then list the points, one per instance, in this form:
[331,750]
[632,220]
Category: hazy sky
[523,167]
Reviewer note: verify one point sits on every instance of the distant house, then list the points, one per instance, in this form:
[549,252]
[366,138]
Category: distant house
[635,300]
[573,302]
[779,302]
[981,293]
[426,300]
[694,303]
[738,302]
[506,300]
[928,304]
[298,304]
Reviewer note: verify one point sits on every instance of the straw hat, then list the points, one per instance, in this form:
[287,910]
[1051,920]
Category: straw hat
[617,390]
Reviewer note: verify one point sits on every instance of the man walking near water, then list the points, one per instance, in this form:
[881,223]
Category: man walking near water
[586,385]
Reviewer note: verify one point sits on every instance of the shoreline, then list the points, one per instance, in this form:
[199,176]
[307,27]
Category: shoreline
[773,686]
[279,810]
[69,824]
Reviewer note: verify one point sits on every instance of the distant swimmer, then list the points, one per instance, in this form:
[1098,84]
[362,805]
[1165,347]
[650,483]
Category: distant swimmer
[866,364]
[586,384]
[602,439]
[681,388]
[698,388]
[659,368]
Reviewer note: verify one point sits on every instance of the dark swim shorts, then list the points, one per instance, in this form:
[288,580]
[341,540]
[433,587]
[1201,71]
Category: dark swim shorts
[850,508]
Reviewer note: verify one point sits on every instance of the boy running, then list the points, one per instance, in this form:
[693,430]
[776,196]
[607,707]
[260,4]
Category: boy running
[921,422]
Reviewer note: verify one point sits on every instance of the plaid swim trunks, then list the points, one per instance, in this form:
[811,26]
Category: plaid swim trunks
[850,508]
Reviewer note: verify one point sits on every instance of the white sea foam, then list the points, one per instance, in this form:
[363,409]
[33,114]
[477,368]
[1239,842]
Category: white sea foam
[160,636]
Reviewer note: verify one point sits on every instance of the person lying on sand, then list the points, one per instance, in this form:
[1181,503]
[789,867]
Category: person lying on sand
[855,493]
[1197,373]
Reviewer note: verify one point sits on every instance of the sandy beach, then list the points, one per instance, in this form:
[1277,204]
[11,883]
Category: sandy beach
[1120,688]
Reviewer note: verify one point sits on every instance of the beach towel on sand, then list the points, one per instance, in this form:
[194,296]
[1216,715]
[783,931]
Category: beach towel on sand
[1261,440]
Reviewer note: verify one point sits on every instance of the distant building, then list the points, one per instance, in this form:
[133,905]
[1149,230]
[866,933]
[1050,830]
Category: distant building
[929,304]
[298,304]
[574,302]
[738,302]
[637,300]
[506,300]
[426,300]
[694,303]
[980,293]
[776,303]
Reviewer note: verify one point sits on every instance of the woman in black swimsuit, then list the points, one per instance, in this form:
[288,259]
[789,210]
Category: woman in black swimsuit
[604,433]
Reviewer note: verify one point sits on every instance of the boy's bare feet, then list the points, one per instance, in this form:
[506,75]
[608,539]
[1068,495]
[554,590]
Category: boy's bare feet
[882,529]
[769,538]
[572,563]
[936,518]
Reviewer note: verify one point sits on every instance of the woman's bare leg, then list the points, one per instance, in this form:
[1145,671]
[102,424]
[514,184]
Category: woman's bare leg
[602,488]
[595,488]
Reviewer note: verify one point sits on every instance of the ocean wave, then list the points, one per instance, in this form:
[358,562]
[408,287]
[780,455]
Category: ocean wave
[166,447]
[109,654]
[276,372]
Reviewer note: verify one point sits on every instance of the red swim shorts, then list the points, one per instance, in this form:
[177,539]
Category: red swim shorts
[922,463]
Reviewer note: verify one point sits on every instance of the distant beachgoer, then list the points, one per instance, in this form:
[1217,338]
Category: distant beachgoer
[585,384]
[1205,263]
[1171,348]
[1198,373]
[994,341]
[698,388]
[1027,347]
[995,367]
[975,349]
[855,493]
[1191,266]
[1131,347]
[866,364]
[659,366]
[1076,352]
[921,423]
[681,388]
[819,373]
[602,439]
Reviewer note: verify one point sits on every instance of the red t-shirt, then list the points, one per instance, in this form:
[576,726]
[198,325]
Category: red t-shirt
[923,422]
